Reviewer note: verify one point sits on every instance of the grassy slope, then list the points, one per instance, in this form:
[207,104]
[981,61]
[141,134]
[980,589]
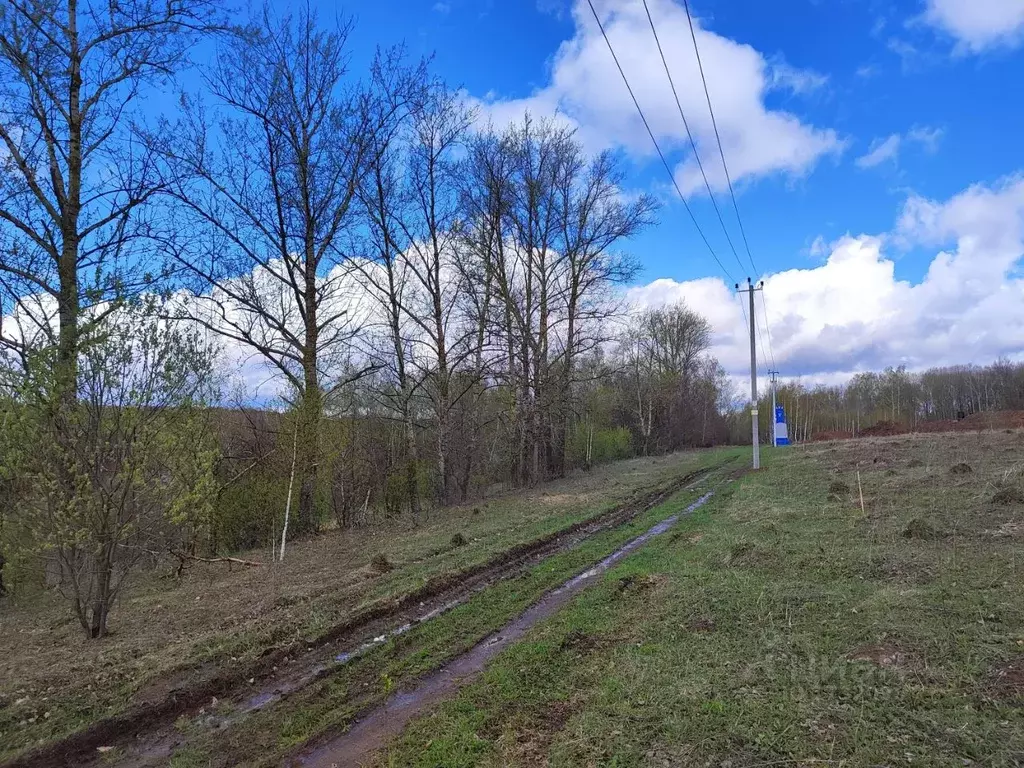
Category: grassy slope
[52,681]
[267,737]
[782,627]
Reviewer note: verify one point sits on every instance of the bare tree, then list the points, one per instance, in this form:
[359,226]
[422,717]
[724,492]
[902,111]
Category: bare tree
[271,189]
[431,223]
[545,220]
[73,181]
[594,218]
[385,274]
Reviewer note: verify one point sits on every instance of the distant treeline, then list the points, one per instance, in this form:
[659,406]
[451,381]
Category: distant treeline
[899,397]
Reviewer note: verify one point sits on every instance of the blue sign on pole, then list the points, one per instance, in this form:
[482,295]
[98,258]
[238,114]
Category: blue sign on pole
[781,434]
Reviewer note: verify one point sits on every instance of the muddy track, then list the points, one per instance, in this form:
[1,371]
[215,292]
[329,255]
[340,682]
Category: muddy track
[377,725]
[304,660]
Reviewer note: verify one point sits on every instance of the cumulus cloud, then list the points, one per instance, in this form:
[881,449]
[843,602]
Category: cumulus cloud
[585,90]
[852,313]
[888,149]
[978,25]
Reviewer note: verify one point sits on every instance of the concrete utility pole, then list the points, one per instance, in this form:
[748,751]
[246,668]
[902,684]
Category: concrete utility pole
[775,423]
[753,371]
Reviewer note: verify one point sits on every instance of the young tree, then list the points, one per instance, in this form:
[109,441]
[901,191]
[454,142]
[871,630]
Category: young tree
[123,473]
[271,190]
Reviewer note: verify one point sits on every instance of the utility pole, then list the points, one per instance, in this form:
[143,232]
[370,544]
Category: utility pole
[774,422]
[753,370]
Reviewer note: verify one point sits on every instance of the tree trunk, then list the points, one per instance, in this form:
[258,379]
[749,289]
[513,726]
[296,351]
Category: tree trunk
[310,411]
[411,464]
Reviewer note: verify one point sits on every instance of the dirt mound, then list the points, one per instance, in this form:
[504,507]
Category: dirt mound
[975,422]
[961,469]
[702,624]
[921,529]
[885,429]
[1008,496]
[837,490]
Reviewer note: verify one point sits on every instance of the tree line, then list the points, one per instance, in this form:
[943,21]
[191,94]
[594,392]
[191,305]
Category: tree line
[897,397]
[434,298]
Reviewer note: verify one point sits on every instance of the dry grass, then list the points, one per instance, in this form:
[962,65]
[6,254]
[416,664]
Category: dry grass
[53,681]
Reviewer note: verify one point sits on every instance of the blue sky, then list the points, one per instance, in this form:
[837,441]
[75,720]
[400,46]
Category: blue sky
[875,149]
[874,87]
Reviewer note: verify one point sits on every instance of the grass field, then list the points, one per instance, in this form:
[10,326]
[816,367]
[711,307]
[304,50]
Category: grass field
[785,624]
[167,631]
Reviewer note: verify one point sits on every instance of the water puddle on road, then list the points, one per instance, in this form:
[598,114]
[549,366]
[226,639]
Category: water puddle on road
[352,748]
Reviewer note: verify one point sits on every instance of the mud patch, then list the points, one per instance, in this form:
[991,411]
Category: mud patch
[902,570]
[702,624]
[578,641]
[529,744]
[1008,530]
[1006,681]
[638,584]
[747,555]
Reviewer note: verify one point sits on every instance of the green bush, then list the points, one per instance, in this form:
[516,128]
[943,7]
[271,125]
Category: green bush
[607,445]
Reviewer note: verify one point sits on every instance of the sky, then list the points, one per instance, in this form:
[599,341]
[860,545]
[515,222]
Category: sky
[874,147]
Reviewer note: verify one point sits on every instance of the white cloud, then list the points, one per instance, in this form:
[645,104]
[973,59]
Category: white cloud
[880,151]
[883,150]
[978,25]
[928,138]
[784,76]
[852,313]
[586,90]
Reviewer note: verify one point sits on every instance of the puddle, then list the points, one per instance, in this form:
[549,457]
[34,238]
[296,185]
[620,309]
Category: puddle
[352,748]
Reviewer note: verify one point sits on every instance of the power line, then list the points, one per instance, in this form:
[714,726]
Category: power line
[718,138]
[728,177]
[768,329]
[654,141]
[689,134]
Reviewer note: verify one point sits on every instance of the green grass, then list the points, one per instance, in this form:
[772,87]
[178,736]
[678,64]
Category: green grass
[779,628]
